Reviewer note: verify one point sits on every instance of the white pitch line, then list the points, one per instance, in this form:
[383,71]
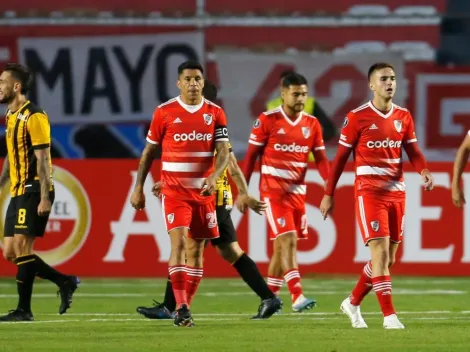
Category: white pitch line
[244,293]
[209,282]
[95,320]
[40,321]
[251,313]
[335,292]
[89,295]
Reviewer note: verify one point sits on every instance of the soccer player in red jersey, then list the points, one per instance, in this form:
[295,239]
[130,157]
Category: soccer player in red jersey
[189,129]
[376,132]
[284,137]
[461,160]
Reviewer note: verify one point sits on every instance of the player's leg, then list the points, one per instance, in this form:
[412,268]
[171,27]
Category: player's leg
[229,249]
[275,277]
[382,282]
[287,223]
[36,228]
[25,275]
[351,305]
[372,218]
[161,310]
[392,254]
[9,231]
[177,271]
[288,243]
[27,226]
[396,225]
[275,270]
[194,266]
[177,219]
[375,221]
[177,264]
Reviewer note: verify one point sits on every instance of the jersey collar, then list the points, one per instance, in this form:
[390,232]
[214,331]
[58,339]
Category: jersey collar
[378,112]
[293,123]
[190,108]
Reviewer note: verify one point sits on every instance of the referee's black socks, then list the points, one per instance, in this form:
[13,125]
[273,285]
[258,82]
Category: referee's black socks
[26,272]
[249,272]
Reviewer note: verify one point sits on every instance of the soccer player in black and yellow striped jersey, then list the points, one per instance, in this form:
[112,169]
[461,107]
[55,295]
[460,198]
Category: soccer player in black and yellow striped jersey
[28,167]
[227,244]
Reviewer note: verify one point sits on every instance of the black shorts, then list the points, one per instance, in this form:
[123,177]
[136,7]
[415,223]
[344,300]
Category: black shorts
[226,229]
[22,216]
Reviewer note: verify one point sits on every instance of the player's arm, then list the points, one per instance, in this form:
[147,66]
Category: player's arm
[222,147]
[5,175]
[244,200]
[258,139]
[44,170]
[145,164]
[40,133]
[348,139]
[410,144]
[461,160]
[221,160]
[154,136]
[252,154]
[319,154]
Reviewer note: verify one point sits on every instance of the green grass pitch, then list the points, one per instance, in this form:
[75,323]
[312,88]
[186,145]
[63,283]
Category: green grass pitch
[435,311]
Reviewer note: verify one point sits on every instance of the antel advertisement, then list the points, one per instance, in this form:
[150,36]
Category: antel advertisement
[94,231]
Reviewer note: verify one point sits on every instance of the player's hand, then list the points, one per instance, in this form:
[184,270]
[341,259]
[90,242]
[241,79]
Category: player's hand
[428,180]
[209,185]
[138,199]
[246,201]
[326,206]
[157,189]
[44,207]
[458,197]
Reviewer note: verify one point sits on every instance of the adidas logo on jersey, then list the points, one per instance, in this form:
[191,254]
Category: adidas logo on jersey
[281,131]
[177,120]
[373,127]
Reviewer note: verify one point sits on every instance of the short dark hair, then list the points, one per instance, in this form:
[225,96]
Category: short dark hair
[285,73]
[22,74]
[190,65]
[209,91]
[378,66]
[293,79]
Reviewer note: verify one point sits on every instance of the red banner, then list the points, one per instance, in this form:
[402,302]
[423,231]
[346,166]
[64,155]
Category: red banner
[312,6]
[93,230]
[88,6]
[440,101]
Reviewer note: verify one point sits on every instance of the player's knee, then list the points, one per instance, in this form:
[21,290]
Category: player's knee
[230,252]
[288,244]
[9,255]
[22,245]
[380,258]
[195,249]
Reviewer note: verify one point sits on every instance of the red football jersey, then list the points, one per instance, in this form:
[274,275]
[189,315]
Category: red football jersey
[377,140]
[187,134]
[287,145]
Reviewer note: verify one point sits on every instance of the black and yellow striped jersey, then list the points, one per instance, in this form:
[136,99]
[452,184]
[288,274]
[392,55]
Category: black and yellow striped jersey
[27,129]
[223,192]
